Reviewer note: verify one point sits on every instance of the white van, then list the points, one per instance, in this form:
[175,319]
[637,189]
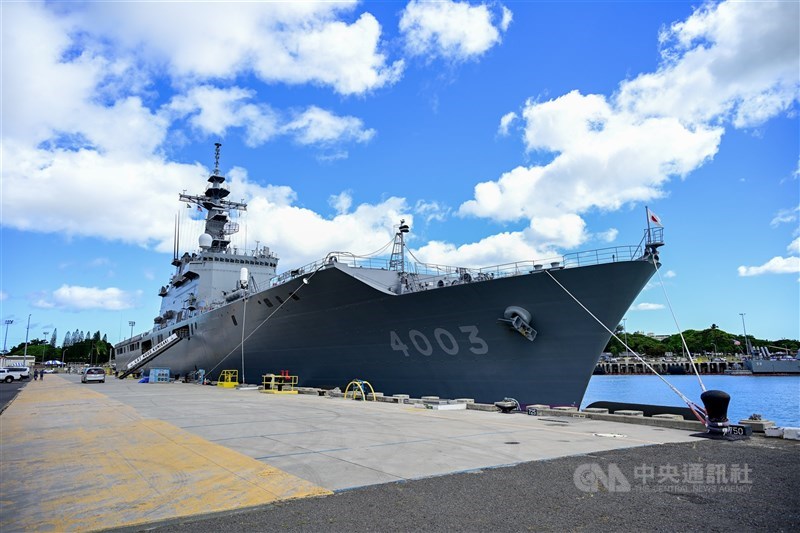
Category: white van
[10,373]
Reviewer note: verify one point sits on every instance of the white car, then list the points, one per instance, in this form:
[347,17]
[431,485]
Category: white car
[93,373]
[11,373]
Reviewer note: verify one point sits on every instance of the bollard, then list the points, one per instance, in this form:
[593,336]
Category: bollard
[716,404]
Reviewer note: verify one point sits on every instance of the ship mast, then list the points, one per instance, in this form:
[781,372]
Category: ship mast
[398,260]
[218,224]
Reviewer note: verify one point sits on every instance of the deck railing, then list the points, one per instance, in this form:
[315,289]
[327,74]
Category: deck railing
[429,270]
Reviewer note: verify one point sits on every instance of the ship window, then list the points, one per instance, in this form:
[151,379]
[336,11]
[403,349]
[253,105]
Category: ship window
[279,299]
[234,320]
[266,301]
[259,302]
[293,295]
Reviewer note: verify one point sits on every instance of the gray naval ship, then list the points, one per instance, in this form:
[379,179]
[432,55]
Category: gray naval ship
[520,330]
[765,363]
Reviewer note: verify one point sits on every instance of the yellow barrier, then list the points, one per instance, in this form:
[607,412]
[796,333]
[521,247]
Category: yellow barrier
[359,384]
[281,383]
[228,378]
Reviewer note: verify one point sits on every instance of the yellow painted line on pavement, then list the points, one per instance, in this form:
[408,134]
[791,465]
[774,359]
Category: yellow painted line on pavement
[73,459]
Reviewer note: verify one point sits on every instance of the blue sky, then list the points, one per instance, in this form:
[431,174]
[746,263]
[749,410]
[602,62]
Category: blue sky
[501,131]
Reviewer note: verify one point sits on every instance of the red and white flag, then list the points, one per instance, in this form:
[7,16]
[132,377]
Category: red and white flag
[652,217]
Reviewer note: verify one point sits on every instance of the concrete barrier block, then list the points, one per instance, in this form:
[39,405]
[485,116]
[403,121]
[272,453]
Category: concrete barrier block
[791,433]
[481,407]
[465,400]
[773,432]
[565,408]
[629,412]
[429,398]
[446,406]
[539,406]
[596,410]
[667,416]
[758,425]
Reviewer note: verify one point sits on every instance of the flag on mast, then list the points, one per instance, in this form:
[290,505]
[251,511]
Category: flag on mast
[652,217]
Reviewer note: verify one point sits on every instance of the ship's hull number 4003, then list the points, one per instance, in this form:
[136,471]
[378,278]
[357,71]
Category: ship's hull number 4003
[466,338]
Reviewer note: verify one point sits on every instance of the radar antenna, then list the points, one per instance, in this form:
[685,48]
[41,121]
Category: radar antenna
[398,260]
[216,158]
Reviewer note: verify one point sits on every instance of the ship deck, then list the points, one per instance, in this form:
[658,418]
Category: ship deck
[123,454]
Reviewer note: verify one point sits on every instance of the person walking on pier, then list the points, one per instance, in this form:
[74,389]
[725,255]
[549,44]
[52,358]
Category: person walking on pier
[35,374]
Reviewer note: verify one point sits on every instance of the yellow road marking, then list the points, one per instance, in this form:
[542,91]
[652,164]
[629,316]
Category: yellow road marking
[73,459]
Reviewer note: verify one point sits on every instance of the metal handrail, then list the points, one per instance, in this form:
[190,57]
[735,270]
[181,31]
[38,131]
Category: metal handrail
[599,256]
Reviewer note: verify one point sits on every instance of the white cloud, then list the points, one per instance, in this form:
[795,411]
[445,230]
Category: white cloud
[213,110]
[712,70]
[341,202]
[608,235]
[505,123]
[76,298]
[318,126]
[785,216]
[508,16]
[607,152]
[670,274]
[776,265]
[431,210]
[286,42]
[495,249]
[794,246]
[605,159]
[302,235]
[3,296]
[452,30]
[644,306]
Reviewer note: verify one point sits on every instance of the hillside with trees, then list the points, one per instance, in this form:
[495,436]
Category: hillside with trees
[711,341]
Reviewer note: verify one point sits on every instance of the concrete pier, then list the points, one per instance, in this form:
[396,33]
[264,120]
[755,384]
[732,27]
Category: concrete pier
[127,455]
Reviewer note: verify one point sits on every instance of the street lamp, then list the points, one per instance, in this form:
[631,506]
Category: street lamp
[7,323]
[44,350]
[25,353]
[131,323]
[746,340]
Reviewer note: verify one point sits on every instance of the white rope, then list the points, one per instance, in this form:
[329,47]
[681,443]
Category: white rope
[680,331]
[689,402]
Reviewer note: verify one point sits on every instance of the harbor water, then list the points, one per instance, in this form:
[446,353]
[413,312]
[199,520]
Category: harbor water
[776,398]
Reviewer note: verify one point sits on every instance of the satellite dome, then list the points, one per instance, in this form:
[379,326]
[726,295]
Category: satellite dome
[205,241]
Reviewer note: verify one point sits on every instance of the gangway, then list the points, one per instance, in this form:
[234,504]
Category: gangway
[149,355]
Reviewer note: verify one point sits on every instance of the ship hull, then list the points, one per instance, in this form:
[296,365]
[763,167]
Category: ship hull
[448,342]
[773,366]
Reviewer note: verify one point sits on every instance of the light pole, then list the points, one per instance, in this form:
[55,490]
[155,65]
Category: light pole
[62,354]
[25,353]
[131,323]
[746,340]
[5,339]
[625,329]
[44,348]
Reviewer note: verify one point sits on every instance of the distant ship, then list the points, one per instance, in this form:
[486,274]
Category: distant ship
[508,331]
[765,363]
